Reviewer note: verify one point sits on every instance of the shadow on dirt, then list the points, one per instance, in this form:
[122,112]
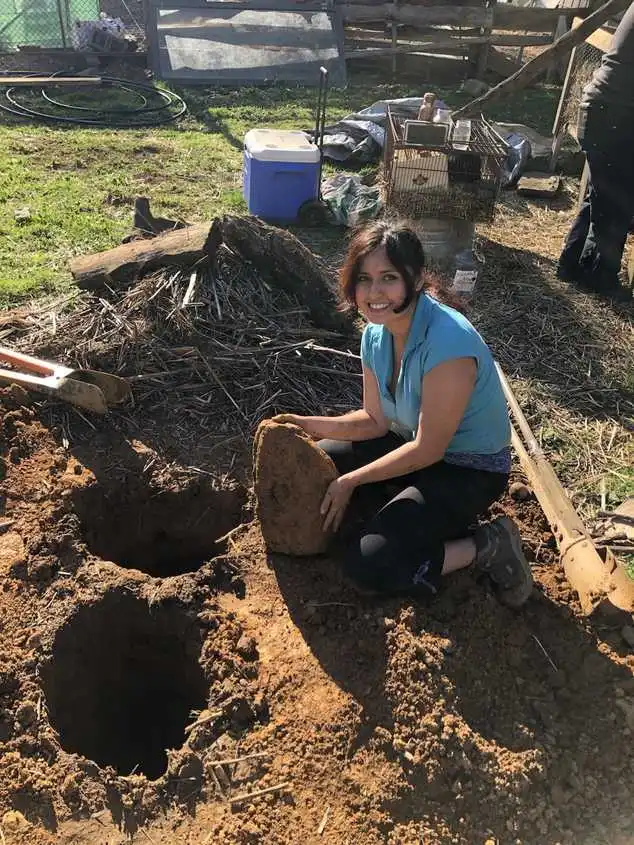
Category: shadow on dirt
[463,691]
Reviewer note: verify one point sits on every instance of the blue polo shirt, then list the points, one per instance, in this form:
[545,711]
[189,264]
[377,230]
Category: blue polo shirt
[439,333]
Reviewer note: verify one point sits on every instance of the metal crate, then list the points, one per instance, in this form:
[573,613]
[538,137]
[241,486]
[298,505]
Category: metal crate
[441,181]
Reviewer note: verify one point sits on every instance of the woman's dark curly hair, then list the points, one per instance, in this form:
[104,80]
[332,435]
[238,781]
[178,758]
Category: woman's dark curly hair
[405,252]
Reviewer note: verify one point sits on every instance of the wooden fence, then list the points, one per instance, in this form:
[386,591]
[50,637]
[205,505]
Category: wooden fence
[472,29]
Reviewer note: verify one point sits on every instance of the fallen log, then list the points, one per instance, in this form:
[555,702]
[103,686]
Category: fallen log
[114,267]
[281,259]
[531,70]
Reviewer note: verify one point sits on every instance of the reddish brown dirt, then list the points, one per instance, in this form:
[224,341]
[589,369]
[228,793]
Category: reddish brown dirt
[291,478]
[389,722]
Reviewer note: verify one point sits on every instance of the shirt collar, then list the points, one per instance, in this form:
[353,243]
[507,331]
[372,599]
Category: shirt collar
[420,323]
[419,326]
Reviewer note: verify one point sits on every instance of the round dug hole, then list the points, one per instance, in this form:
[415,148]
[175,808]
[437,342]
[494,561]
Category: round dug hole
[161,534]
[122,681]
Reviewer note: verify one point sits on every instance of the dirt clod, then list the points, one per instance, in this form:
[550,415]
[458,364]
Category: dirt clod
[291,478]
[247,648]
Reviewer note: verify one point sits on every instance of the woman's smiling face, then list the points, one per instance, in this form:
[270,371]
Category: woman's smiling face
[380,289]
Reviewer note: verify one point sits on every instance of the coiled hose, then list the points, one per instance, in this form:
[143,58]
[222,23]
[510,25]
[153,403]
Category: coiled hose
[149,106]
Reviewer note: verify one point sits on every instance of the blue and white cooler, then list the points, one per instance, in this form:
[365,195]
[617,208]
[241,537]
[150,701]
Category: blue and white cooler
[281,173]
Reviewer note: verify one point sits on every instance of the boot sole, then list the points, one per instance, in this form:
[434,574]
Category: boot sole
[519,595]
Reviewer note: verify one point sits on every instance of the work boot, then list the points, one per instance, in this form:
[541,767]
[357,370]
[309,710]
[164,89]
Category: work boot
[499,554]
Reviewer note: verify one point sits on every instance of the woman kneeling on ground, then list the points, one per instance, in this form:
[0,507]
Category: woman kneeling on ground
[434,425]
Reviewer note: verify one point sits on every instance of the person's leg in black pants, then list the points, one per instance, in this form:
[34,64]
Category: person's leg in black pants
[568,268]
[592,253]
[401,547]
[611,203]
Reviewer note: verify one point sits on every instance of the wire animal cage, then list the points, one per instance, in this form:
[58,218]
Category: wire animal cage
[443,179]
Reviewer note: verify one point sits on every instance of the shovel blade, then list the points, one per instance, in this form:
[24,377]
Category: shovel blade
[113,388]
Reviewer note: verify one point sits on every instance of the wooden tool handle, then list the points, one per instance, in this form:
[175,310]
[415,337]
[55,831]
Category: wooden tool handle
[26,362]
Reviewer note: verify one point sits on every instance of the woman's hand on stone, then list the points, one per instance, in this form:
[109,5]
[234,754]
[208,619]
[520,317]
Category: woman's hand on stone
[335,502]
[290,419]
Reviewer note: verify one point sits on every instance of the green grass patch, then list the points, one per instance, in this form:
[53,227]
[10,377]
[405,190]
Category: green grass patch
[66,191]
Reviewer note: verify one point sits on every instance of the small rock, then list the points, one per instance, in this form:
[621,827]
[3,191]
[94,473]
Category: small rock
[12,553]
[70,789]
[241,712]
[520,491]
[34,641]
[14,822]
[627,632]
[26,713]
[8,682]
[22,215]
[247,648]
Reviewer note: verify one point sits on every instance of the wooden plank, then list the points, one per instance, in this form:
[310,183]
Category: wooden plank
[423,15]
[534,18]
[538,185]
[601,38]
[362,49]
[531,70]
[426,3]
[599,584]
[483,52]
[31,81]
[423,47]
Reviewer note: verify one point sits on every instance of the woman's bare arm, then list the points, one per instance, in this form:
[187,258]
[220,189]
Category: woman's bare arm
[367,423]
[446,392]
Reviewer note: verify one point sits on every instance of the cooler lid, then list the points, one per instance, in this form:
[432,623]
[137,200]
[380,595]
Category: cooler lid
[280,145]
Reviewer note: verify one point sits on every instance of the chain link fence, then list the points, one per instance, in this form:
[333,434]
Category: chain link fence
[56,23]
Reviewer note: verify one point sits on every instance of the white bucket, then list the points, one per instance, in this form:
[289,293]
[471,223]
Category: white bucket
[443,238]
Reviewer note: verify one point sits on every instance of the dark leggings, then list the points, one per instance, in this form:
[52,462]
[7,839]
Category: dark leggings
[400,548]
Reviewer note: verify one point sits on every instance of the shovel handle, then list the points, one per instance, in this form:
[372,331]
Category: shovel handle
[26,362]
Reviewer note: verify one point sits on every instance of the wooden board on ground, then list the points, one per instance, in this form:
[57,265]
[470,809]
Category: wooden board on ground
[539,185]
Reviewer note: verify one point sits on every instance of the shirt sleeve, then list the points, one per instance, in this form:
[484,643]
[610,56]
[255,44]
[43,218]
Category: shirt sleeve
[367,358]
[461,344]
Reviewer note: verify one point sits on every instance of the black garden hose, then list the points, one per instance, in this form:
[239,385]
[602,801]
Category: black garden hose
[150,106]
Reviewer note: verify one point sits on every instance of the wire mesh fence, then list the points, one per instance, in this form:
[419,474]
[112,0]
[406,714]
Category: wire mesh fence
[61,24]
[584,61]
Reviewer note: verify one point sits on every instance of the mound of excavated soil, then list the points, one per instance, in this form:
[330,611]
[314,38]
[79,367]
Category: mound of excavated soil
[291,475]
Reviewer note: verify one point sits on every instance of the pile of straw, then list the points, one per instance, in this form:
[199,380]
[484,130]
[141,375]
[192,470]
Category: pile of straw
[221,347]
